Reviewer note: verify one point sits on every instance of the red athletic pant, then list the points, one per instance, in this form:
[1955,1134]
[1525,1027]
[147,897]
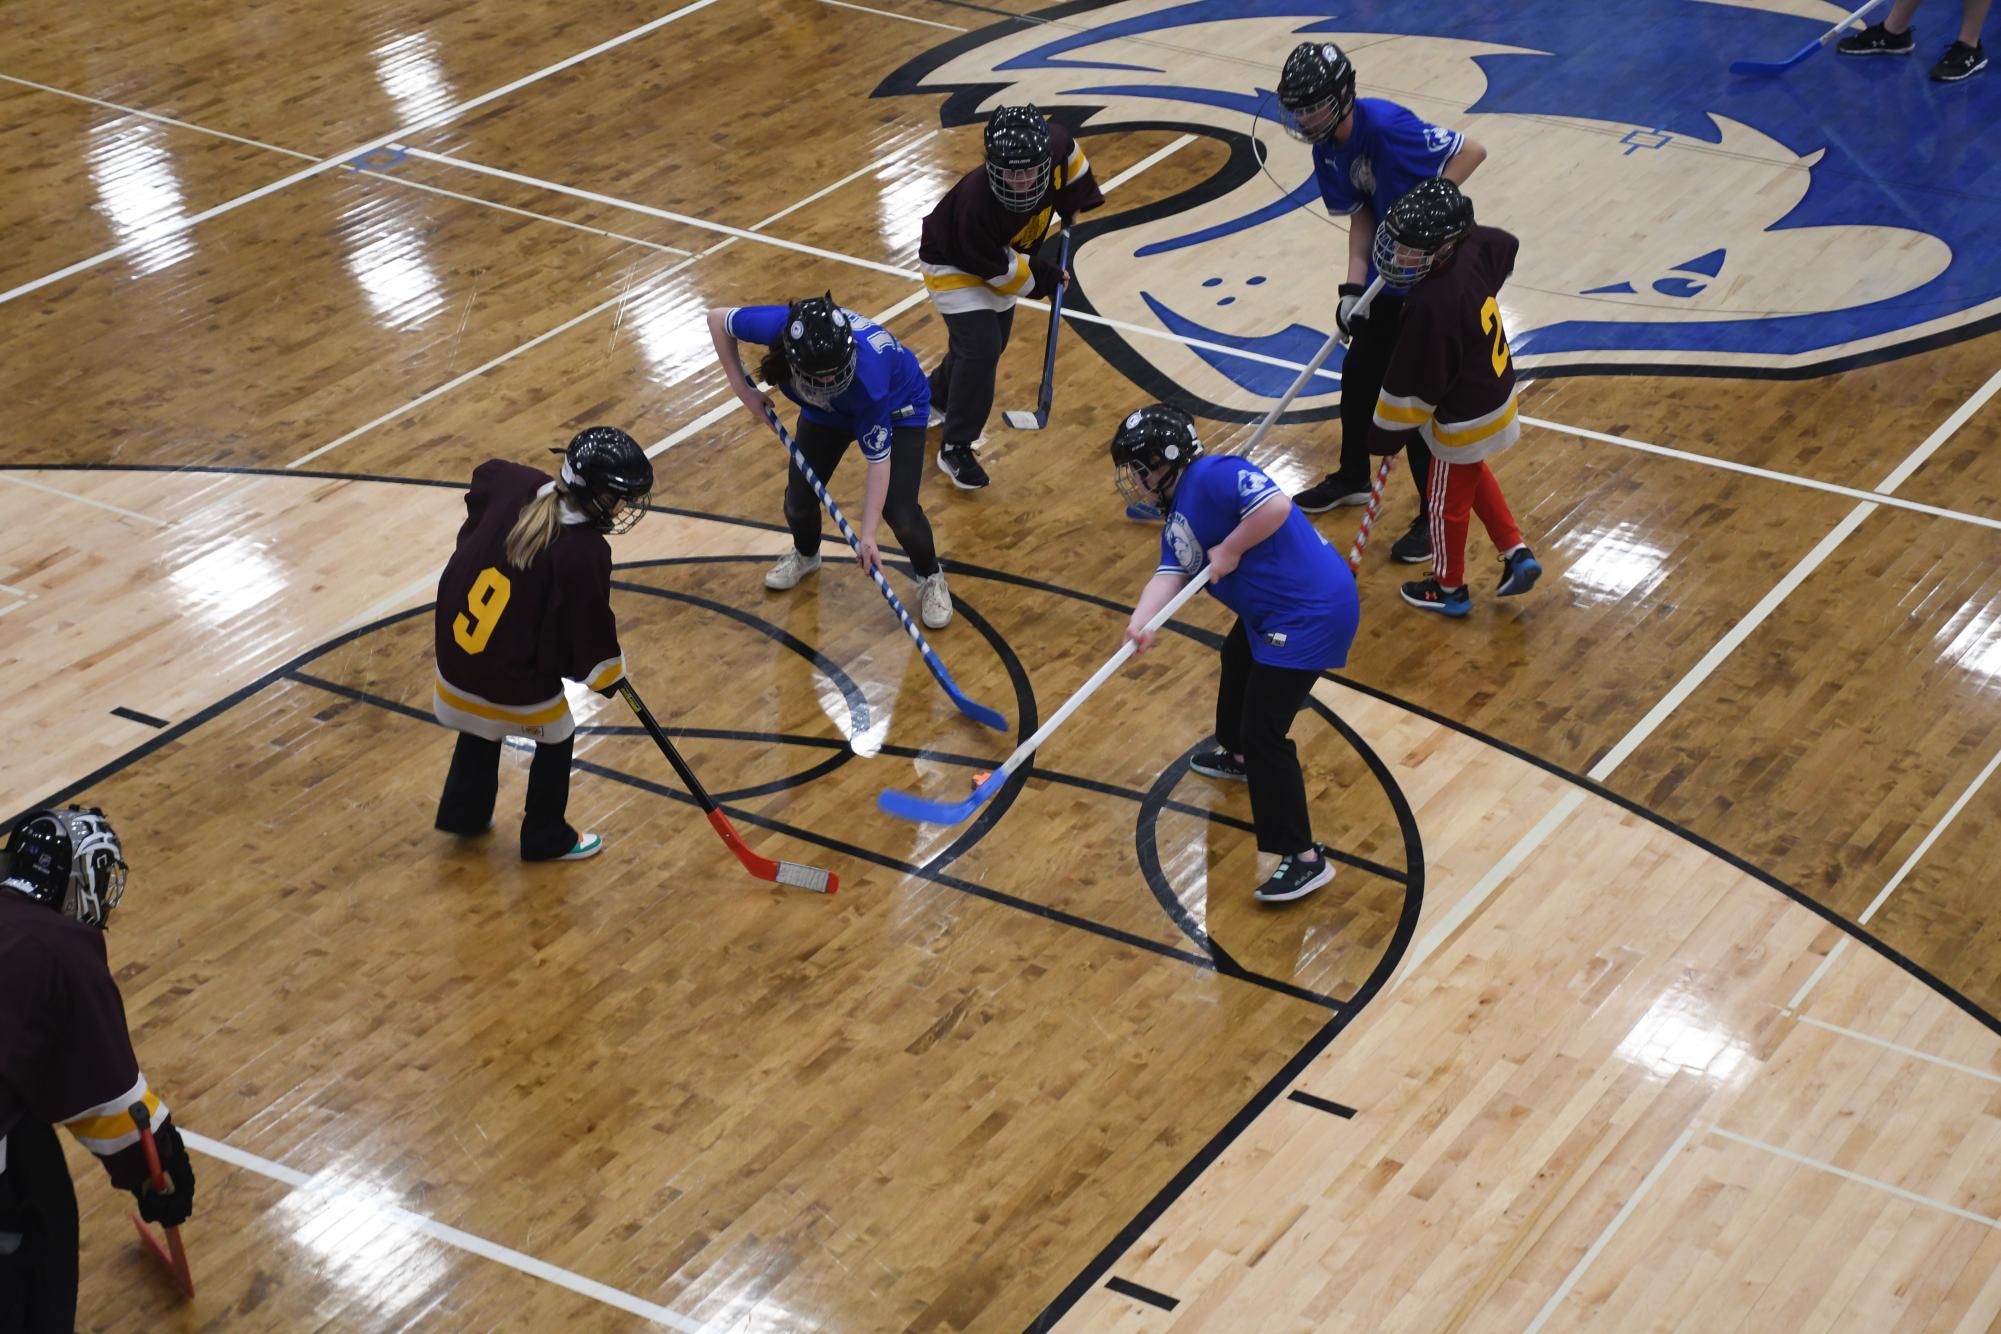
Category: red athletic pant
[1458,491]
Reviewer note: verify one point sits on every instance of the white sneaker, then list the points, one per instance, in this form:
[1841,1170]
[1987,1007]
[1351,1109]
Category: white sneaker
[791,568]
[588,846]
[934,602]
[935,420]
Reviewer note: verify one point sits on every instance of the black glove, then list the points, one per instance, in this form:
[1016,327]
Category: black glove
[173,1208]
[1047,278]
[1344,316]
[1385,443]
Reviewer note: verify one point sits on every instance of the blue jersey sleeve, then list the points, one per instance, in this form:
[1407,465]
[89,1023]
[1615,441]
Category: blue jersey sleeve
[1254,489]
[1335,191]
[756,324]
[1421,149]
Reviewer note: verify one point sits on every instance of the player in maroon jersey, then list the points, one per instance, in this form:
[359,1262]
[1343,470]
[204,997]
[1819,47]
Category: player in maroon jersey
[977,254]
[523,604]
[66,1059]
[1451,378]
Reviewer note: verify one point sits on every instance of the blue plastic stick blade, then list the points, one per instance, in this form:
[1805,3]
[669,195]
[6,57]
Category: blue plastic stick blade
[907,806]
[978,712]
[1767,67]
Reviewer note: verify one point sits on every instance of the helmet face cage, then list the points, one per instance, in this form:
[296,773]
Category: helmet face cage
[819,346]
[1401,265]
[1018,162]
[1316,91]
[70,860]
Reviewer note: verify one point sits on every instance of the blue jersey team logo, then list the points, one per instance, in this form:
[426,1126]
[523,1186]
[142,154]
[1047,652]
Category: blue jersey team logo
[1674,218]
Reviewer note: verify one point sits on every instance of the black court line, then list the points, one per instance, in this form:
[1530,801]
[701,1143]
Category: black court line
[1128,1288]
[134,715]
[1322,1104]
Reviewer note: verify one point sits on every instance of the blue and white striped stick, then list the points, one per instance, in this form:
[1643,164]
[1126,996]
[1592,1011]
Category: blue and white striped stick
[978,712]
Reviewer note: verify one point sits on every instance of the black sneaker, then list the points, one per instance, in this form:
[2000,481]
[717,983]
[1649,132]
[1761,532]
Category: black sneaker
[1414,547]
[1518,573]
[1877,40]
[957,462]
[1295,879]
[1220,763]
[1427,595]
[1332,492]
[1959,61]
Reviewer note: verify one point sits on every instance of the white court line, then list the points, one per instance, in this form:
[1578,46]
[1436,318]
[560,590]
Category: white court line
[599,309]
[907,18]
[82,500]
[1857,1177]
[1910,863]
[1152,159]
[877,266]
[1912,1052]
[1682,689]
[450,1236]
[174,225]
[18,592]
[155,116]
[1605,1237]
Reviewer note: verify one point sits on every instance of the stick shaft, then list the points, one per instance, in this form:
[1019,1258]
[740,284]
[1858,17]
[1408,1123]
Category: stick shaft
[645,716]
[1842,26]
[1048,393]
[1383,470]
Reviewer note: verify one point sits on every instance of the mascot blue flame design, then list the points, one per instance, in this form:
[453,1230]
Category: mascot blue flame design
[1674,218]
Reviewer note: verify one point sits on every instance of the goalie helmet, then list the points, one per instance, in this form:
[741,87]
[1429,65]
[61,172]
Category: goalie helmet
[1149,450]
[1316,91]
[607,476]
[1018,162]
[1420,232]
[819,347]
[69,860]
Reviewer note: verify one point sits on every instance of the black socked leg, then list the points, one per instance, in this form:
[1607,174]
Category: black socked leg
[822,447]
[545,834]
[901,508]
[467,804]
[1362,369]
[1273,697]
[38,1280]
[978,338]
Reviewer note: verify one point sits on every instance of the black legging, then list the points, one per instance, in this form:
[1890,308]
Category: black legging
[963,385]
[473,783]
[38,1234]
[824,447]
[1255,706]
[1362,371]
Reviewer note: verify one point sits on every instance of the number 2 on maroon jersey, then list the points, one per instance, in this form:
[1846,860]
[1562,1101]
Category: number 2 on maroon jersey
[484,602]
[1490,321]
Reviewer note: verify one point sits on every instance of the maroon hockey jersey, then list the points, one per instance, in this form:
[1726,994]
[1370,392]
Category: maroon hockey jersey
[65,1055]
[975,249]
[507,638]
[1452,374]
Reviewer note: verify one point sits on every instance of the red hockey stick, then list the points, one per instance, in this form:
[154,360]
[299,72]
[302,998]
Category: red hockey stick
[173,1255]
[783,873]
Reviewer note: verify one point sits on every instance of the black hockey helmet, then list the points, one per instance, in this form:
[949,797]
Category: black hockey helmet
[1149,450]
[1018,162]
[607,476]
[1316,91]
[819,346]
[1420,231]
[69,860]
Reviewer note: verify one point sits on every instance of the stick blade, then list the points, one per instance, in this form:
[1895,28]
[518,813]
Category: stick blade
[807,877]
[1022,420]
[1767,68]
[909,806]
[980,713]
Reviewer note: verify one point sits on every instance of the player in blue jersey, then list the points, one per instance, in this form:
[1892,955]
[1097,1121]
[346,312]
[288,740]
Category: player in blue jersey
[853,382]
[1367,154]
[1296,614]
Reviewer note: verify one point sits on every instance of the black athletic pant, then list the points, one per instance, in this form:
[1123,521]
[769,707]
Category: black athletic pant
[963,385]
[1362,371]
[1255,706]
[823,447]
[38,1234]
[470,789]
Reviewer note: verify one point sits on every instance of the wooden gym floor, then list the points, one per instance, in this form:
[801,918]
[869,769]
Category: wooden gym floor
[1658,985]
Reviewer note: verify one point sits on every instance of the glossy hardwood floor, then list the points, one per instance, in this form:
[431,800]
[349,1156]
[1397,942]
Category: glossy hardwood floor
[1657,986]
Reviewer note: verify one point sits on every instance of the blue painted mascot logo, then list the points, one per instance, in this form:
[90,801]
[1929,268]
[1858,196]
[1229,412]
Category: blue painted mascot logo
[1674,218]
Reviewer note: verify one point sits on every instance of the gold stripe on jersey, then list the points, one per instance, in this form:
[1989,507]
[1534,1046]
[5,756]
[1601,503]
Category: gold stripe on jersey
[526,715]
[109,1127]
[606,674]
[1458,435]
[944,278]
[1397,413]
